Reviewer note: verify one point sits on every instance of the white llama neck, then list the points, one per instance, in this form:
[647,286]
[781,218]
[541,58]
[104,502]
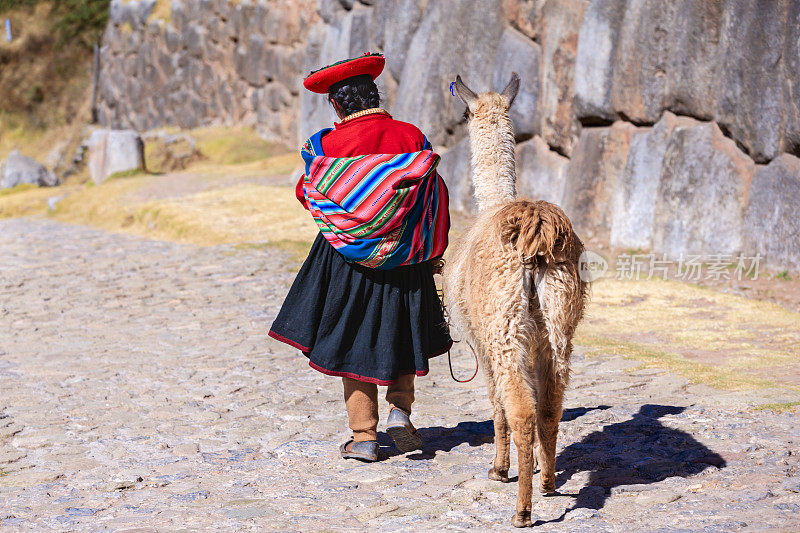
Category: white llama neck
[493,170]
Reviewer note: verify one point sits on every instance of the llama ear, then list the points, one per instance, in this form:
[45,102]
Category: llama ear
[510,92]
[465,93]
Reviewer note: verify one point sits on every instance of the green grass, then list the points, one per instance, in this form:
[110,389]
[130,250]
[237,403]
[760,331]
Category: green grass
[224,146]
[80,21]
[22,187]
[696,372]
[252,246]
[784,275]
[223,210]
[634,251]
[7,5]
[126,174]
[723,340]
[778,407]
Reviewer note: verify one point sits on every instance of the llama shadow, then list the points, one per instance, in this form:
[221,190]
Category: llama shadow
[637,451]
[443,439]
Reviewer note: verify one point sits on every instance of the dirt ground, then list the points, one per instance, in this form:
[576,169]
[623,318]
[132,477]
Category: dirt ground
[140,392]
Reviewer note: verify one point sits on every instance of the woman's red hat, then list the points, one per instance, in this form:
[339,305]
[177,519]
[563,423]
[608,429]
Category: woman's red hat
[320,81]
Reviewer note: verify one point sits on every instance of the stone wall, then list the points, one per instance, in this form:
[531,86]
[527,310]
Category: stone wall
[211,62]
[669,126]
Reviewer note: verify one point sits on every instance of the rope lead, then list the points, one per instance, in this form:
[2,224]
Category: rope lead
[450,364]
[446,315]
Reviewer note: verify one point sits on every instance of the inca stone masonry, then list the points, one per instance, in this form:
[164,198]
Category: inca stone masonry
[666,126]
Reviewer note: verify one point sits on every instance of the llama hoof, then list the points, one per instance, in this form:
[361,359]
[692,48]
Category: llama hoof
[522,519]
[547,486]
[496,475]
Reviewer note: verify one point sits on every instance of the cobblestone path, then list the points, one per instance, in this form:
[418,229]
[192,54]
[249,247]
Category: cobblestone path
[138,389]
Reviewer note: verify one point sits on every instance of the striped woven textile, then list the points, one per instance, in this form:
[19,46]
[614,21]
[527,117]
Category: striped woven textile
[378,210]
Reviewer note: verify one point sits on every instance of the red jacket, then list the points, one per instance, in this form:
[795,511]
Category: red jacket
[370,134]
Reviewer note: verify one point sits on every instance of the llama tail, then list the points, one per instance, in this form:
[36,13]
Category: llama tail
[542,236]
[539,231]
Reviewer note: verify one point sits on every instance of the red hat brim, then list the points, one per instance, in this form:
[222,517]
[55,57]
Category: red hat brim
[320,81]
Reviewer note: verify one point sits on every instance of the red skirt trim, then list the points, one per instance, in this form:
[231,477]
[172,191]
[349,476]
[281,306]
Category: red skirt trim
[358,377]
[290,342]
[365,379]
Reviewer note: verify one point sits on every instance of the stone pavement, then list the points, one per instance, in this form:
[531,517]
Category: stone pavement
[138,390]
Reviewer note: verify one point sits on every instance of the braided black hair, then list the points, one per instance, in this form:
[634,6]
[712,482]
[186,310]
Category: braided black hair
[354,94]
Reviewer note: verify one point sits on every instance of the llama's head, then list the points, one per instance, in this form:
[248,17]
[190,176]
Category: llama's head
[491,135]
[489,103]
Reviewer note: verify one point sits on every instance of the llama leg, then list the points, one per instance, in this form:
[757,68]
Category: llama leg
[502,444]
[548,406]
[499,470]
[562,296]
[521,417]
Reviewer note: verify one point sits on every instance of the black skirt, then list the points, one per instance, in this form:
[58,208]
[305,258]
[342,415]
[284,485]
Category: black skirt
[368,324]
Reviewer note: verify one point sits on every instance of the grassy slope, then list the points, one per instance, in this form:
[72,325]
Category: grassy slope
[724,340]
[227,197]
[44,82]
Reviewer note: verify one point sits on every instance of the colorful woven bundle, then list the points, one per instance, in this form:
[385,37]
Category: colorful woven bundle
[378,210]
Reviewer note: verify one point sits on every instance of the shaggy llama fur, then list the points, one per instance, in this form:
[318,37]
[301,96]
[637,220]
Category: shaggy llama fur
[517,297]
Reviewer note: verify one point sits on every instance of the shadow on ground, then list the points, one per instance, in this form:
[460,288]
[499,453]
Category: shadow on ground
[641,450]
[443,439]
[637,451]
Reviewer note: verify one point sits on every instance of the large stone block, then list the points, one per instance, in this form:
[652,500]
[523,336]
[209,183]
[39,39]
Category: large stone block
[634,200]
[592,175]
[693,63]
[330,10]
[540,171]
[594,65]
[243,18]
[112,151]
[790,107]
[394,26]
[196,40]
[283,64]
[178,14]
[116,11]
[327,43]
[701,194]
[360,38]
[750,86]
[172,39]
[642,52]
[18,169]
[454,38]
[456,170]
[275,96]
[132,12]
[251,61]
[518,53]
[560,23]
[771,223]
[526,15]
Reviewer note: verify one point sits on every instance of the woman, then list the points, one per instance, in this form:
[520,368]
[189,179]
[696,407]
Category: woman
[364,305]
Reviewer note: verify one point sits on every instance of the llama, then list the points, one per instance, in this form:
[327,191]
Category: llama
[517,297]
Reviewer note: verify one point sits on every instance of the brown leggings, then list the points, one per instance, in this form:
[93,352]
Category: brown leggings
[361,400]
